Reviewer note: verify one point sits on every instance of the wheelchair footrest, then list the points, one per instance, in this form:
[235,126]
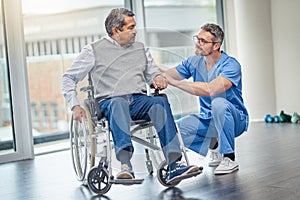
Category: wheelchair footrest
[127,181]
[186,176]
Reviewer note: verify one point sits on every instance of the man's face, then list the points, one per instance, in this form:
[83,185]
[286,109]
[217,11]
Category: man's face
[205,44]
[128,33]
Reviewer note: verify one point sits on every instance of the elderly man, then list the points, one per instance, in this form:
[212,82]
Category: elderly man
[120,67]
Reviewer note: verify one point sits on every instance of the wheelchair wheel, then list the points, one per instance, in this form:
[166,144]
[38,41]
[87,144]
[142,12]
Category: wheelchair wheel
[82,146]
[162,175]
[91,141]
[98,181]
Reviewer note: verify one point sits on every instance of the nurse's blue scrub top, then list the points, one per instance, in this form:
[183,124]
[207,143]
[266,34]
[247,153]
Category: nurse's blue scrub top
[227,67]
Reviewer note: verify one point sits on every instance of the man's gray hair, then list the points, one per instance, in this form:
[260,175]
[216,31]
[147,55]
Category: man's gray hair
[116,19]
[215,30]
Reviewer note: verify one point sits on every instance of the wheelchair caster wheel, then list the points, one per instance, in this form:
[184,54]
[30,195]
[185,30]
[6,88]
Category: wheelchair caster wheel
[149,167]
[162,175]
[98,181]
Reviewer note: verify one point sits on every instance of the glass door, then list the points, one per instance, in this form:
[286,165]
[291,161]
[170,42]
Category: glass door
[15,130]
[7,142]
[169,27]
[55,32]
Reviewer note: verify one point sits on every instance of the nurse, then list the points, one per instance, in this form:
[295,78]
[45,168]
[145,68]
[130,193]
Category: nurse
[217,80]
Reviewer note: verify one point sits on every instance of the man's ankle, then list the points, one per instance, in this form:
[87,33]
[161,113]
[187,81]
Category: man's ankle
[230,155]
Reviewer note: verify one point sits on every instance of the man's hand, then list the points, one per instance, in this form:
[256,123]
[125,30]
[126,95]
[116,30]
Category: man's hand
[78,113]
[160,82]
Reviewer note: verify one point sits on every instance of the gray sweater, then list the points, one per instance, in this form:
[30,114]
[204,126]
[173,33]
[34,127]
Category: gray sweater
[115,70]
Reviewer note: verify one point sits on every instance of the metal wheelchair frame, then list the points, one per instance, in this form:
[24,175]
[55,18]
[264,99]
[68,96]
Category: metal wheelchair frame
[85,141]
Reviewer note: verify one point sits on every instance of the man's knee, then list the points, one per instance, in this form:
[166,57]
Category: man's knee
[160,109]
[160,105]
[119,108]
[161,100]
[220,106]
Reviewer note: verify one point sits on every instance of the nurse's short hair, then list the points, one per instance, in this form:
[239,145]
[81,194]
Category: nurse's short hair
[215,30]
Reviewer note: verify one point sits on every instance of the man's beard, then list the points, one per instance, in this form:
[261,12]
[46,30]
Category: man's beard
[200,52]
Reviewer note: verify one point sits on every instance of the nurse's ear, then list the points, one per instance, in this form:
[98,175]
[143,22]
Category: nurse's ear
[217,46]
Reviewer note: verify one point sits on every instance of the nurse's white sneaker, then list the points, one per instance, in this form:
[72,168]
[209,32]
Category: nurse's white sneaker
[226,166]
[215,157]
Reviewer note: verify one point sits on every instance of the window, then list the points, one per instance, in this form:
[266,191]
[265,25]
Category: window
[35,115]
[50,49]
[6,131]
[53,115]
[170,25]
[45,117]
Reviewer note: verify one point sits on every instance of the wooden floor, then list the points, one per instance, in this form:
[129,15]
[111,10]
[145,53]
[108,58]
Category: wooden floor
[268,155]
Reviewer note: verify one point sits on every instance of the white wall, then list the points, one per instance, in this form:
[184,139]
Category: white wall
[262,34]
[286,42]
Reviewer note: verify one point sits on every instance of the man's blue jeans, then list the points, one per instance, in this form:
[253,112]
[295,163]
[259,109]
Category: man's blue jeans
[120,110]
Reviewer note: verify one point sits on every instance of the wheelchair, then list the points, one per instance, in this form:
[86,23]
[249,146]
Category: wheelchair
[91,148]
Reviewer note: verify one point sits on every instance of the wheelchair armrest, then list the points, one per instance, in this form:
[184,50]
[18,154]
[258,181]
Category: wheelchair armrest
[160,94]
[87,88]
[98,111]
[157,92]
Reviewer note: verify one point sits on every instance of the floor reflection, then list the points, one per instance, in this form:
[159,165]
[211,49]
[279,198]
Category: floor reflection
[173,193]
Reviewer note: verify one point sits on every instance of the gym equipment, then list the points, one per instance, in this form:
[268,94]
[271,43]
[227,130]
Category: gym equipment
[284,118]
[295,118]
[268,118]
[281,118]
[276,119]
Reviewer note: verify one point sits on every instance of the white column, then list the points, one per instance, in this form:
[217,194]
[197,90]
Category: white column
[286,28]
[253,47]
